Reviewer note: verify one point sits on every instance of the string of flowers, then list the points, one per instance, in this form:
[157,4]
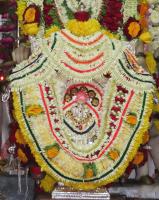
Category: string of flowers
[111,16]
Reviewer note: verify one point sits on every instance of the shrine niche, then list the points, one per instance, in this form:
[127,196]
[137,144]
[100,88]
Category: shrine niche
[81,99]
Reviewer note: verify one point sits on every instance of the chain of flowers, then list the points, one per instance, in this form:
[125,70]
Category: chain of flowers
[111,16]
[75,5]
[129,9]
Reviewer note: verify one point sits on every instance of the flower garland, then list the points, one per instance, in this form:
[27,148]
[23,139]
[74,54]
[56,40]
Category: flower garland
[89,170]
[79,28]
[29,17]
[70,9]
[112,20]
[129,9]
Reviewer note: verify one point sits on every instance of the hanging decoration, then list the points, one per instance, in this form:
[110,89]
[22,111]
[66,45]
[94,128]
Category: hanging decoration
[87,114]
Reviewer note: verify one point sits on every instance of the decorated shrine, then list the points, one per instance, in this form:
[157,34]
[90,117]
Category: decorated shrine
[84,91]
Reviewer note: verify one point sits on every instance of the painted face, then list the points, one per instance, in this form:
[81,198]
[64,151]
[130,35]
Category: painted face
[80,113]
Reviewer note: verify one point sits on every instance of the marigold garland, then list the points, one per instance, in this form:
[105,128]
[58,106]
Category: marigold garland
[138,158]
[51,30]
[21,155]
[120,171]
[47,183]
[21,6]
[19,137]
[85,28]
[146,138]
[34,110]
[30,29]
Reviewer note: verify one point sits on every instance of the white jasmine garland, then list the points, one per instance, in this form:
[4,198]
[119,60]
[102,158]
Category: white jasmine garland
[129,9]
[154,17]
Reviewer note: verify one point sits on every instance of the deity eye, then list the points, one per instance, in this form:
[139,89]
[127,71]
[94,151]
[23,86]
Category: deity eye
[67,97]
[91,94]
[95,102]
[74,91]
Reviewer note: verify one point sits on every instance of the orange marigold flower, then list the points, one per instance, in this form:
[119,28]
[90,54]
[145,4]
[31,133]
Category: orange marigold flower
[19,137]
[52,152]
[89,173]
[138,158]
[144,9]
[144,23]
[34,110]
[21,155]
[131,119]
[113,154]
[146,137]
[134,29]
[31,14]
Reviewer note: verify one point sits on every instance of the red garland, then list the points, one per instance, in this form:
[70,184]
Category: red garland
[113,18]
[47,17]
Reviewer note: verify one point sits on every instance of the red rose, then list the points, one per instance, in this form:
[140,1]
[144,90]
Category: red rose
[113,17]
[47,8]
[35,170]
[82,16]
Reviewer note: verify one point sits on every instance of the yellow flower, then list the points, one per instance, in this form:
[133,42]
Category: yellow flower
[47,183]
[113,154]
[131,119]
[138,158]
[30,29]
[111,35]
[21,6]
[34,110]
[21,155]
[134,29]
[146,37]
[19,137]
[51,30]
[151,63]
[85,28]
[52,152]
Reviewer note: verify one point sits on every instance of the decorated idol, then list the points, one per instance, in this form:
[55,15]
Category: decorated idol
[81,99]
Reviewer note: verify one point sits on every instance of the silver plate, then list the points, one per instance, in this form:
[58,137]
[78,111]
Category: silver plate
[62,192]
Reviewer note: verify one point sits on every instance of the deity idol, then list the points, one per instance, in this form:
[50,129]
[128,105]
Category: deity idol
[81,100]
